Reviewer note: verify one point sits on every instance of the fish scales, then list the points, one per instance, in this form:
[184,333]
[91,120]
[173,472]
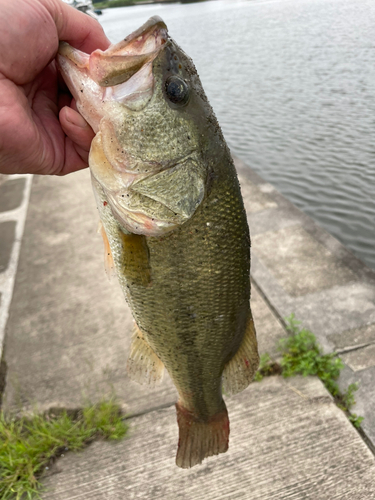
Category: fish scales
[192,308]
[175,225]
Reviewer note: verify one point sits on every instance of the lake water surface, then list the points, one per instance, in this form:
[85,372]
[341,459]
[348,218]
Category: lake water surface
[292,83]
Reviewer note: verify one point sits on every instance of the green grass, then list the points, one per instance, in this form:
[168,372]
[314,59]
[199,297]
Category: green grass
[29,446]
[302,355]
[266,368]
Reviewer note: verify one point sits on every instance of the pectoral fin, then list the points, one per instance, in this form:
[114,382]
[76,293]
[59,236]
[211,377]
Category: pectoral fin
[239,371]
[109,265]
[135,259]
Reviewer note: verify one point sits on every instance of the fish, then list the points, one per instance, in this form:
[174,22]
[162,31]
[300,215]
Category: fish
[173,223]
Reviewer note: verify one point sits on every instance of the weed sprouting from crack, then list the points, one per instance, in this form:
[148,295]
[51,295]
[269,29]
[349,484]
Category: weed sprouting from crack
[29,446]
[267,367]
[302,355]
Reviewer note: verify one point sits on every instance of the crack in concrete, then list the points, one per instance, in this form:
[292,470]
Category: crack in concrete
[3,374]
[366,440]
[145,412]
[344,350]
[353,348]
[269,304]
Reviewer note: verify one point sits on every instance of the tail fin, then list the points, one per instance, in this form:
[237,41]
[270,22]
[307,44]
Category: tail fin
[199,439]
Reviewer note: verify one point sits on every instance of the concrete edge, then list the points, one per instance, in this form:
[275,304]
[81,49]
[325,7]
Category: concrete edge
[283,304]
[324,237]
[7,277]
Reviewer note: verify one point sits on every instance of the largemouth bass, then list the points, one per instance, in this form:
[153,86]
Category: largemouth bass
[173,224]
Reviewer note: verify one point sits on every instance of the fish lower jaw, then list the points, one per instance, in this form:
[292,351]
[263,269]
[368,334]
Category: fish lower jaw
[140,223]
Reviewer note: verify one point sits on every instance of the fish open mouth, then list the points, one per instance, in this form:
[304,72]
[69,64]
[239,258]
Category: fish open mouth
[122,73]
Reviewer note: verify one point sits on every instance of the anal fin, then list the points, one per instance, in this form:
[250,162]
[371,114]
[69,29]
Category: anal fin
[240,370]
[144,366]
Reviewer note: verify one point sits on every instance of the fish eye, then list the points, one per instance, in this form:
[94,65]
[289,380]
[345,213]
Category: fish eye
[177,90]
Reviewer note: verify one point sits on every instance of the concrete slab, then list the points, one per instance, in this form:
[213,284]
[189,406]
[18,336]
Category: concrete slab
[10,244]
[255,198]
[326,312]
[282,218]
[7,231]
[302,269]
[11,194]
[270,220]
[350,339]
[293,255]
[288,440]
[268,327]
[365,397]
[337,309]
[360,359]
[300,263]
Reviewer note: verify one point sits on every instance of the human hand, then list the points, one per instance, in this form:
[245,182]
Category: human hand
[34,136]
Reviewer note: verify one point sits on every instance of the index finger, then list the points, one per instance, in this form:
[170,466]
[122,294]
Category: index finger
[78,29]
[30,31]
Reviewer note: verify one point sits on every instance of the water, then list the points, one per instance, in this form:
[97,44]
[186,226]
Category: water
[292,83]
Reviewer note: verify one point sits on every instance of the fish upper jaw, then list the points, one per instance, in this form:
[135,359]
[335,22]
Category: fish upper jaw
[122,60]
[121,74]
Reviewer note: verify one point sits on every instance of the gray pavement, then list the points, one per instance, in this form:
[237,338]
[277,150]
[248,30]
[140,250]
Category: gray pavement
[302,269]
[288,441]
[68,336]
[14,197]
